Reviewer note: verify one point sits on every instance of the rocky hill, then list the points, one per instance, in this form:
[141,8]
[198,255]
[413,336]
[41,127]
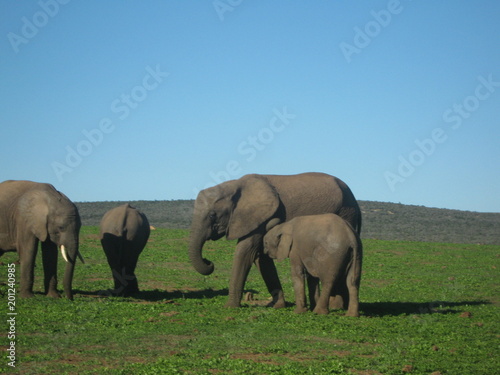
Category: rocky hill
[385,221]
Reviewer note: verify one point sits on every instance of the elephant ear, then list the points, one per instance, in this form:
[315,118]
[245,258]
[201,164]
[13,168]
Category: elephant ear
[284,246]
[35,211]
[255,202]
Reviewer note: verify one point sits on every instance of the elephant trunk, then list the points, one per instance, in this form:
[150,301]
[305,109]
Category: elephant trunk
[69,254]
[68,279]
[200,264]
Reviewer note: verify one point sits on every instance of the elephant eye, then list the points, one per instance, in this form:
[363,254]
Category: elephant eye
[212,215]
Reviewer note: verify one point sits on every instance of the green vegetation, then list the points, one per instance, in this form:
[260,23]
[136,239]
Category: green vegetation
[427,308]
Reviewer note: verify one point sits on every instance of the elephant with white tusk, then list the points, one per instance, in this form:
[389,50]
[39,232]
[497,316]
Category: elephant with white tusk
[32,212]
[245,209]
[65,254]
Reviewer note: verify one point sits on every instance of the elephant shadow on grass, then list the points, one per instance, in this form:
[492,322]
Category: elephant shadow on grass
[381,309]
[368,309]
[157,295]
[160,295]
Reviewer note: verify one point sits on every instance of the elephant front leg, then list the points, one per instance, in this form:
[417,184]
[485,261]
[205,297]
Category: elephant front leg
[27,254]
[298,278]
[49,259]
[269,273]
[247,252]
[244,256]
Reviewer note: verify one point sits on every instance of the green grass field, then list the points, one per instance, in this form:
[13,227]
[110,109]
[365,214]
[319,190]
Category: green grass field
[427,308]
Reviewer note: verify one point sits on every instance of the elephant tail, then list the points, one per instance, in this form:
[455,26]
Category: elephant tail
[357,261]
[358,224]
[359,255]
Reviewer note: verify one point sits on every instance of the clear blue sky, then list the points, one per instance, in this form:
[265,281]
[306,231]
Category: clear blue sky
[136,100]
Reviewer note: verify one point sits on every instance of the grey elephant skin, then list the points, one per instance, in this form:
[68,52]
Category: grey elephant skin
[32,212]
[323,247]
[246,208]
[124,232]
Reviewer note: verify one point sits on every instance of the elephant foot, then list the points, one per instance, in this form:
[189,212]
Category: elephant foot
[130,290]
[320,311]
[124,292]
[353,314]
[112,293]
[278,301]
[105,293]
[277,304]
[130,293]
[336,303]
[26,294]
[232,304]
[300,310]
[53,294]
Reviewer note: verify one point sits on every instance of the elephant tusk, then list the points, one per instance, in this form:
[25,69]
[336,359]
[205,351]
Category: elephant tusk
[63,252]
[80,257]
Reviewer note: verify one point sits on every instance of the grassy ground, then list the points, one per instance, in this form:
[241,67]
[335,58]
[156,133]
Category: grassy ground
[427,308]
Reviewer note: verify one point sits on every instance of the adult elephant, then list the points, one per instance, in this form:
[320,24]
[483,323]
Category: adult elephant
[124,232]
[32,212]
[245,209]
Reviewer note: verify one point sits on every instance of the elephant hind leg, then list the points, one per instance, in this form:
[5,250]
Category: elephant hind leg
[353,287]
[130,257]
[322,305]
[313,288]
[125,282]
[113,248]
[339,298]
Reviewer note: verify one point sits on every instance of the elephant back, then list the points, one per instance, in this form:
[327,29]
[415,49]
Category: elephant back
[124,221]
[316,193]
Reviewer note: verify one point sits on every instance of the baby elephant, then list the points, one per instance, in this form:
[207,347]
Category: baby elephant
[323,247]
[124,233]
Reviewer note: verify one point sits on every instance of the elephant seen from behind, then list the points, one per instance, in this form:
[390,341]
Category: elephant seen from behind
[321,248]
[124,232]
[246,208]
[33,212]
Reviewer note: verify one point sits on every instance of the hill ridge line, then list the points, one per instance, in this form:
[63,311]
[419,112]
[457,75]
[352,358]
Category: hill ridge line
[381,220]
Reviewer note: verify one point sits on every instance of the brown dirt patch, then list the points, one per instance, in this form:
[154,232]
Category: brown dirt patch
[365,372]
